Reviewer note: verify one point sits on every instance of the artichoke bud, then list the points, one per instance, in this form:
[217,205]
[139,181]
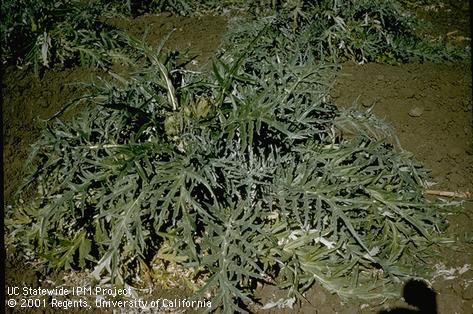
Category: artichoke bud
[203,107]
[172,124]
[187,111]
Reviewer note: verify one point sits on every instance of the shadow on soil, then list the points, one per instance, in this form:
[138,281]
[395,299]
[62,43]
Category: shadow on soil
[419,295]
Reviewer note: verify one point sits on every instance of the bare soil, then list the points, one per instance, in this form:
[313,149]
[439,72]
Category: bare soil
[429,105]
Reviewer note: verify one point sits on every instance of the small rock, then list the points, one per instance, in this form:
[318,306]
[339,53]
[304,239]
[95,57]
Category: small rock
[416,111]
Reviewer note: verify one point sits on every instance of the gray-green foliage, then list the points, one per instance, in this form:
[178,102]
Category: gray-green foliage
[45,33]
[242,175]
[361,31]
